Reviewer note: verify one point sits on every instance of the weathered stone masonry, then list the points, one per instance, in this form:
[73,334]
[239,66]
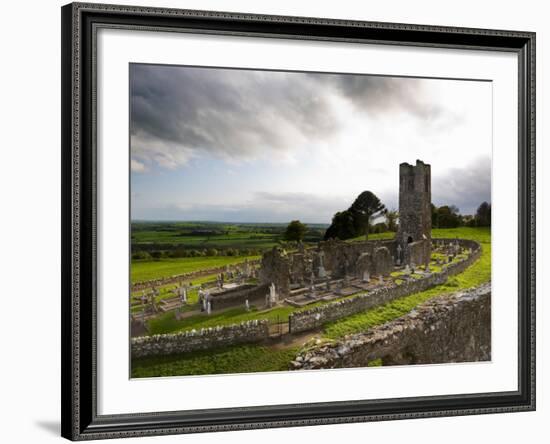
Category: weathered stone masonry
[452,328]
[317,316]
[206,338]
[415,214]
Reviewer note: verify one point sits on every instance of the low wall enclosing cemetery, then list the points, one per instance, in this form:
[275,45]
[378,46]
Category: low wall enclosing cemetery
[206,338]
[450,328]
[317,316]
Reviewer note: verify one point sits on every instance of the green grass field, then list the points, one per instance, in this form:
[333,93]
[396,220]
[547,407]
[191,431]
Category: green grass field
[258,358]
[237,359]
[238,240]
[162,268]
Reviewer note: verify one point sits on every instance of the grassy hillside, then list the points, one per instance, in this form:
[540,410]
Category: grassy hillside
[161,268]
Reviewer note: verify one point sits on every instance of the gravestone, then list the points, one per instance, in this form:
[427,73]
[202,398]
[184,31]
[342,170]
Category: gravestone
[382,261]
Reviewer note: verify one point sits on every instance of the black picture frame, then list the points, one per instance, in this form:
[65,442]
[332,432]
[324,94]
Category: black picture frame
[79,396]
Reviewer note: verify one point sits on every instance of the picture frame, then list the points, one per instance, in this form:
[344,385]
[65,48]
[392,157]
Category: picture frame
[80,176]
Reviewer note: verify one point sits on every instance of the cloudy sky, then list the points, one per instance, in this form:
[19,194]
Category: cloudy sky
[267,146]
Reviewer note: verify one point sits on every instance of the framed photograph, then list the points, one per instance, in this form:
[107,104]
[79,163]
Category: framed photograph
[280,221]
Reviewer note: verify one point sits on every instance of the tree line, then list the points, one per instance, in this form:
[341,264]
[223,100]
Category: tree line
[358,219]
[448,216]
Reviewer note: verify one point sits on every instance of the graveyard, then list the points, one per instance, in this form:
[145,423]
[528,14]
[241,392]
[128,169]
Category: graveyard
[256,313]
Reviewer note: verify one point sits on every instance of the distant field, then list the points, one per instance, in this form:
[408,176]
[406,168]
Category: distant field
[202,235]
[161,268]
[232,239]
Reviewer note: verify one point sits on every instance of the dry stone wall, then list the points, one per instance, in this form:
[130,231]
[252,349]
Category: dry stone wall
[206,338]
[452,328]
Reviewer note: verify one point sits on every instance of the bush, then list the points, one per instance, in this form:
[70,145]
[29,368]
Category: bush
[379,228]
[141,255]
[231,252]
[157,254]
[211,252]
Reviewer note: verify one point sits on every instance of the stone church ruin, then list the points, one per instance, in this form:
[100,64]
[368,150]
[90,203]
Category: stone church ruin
[335,268]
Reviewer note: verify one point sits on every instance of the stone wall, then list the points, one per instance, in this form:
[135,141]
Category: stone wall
[275,269]
[451,328]
[317,316]
[348,257]
[418,253]
[339,259]
[206,338]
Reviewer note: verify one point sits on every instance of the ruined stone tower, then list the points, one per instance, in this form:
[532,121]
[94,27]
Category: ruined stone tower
[415,214]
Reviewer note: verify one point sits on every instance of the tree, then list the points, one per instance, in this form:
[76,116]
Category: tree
[435,216]
[391,218]
[295,231]
[356,219]
[448,217]
[364,208]
[342,226]
[483,215]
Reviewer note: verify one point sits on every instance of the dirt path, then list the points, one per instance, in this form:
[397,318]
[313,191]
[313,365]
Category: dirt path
[292,340]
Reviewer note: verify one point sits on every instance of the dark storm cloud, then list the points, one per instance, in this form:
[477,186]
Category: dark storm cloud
[378,94]
[465,188]
[181,112]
